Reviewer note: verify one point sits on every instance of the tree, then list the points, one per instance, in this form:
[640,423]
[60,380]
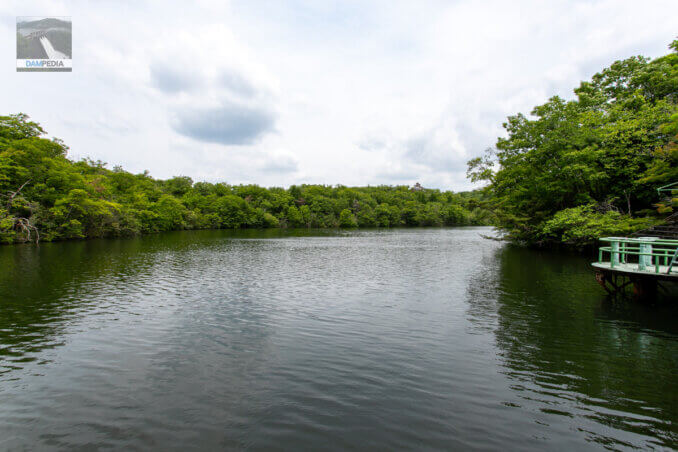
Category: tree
[366,217]
[294,217]
[601,148]
[170,213]
[347,219]
[383,215]
[231,210]
[179,185]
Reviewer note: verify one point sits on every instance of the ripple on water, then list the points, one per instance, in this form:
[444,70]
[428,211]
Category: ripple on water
[401,339]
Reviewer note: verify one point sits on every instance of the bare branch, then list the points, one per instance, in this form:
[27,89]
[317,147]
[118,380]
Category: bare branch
[25,226]
[13,195]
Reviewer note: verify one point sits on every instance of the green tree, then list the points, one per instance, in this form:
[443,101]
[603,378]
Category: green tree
[347,219]
[602,148]
[383,215]
[170,213]
[366,217]
[294,217]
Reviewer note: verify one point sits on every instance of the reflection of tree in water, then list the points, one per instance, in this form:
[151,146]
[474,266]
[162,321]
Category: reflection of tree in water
[482,293]
[573,352]
[47,287]
[43,289]
[46,290]
[194,330]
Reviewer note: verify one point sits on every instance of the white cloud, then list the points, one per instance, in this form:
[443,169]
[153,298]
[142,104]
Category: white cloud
[346,92]
[279,162]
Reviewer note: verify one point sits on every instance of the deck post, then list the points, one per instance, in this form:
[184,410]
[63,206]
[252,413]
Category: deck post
[645,261]
[614,255]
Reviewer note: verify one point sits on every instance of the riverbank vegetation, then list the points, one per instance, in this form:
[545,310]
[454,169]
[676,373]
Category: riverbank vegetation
[576,170]
[45,196]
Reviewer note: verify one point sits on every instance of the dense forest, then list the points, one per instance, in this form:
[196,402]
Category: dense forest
[45,196]
[576,170]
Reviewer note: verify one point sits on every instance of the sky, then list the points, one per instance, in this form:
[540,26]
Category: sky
[315,91]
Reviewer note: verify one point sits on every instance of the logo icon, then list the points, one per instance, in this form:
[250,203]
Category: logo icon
[43,44]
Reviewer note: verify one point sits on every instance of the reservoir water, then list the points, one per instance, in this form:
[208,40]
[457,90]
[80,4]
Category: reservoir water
[411,339]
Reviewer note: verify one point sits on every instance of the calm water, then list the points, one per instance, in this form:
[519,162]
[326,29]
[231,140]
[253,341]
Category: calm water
[406,339]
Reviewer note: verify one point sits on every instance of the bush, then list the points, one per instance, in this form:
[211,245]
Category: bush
[583,225]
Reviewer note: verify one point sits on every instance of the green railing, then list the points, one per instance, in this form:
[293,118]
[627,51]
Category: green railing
[645,254]
[668,190]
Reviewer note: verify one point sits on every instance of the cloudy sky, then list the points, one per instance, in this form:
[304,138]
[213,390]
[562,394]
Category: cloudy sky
[282,92]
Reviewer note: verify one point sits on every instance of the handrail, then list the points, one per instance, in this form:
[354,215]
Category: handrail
[668,188]
[673,261]
[652,240]
[651,252]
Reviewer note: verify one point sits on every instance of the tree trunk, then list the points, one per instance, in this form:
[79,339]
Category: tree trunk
[628,202]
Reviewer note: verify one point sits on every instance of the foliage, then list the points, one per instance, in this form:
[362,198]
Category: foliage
[582,225]
[42,191]
[611,147]
[347,219]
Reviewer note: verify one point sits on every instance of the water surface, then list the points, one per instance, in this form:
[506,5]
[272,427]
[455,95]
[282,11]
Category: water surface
[423,339]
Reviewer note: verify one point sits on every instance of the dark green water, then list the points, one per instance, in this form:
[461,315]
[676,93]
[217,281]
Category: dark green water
[404,339]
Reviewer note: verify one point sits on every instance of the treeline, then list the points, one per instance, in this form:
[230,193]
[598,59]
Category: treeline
[47,196]
[577,170]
